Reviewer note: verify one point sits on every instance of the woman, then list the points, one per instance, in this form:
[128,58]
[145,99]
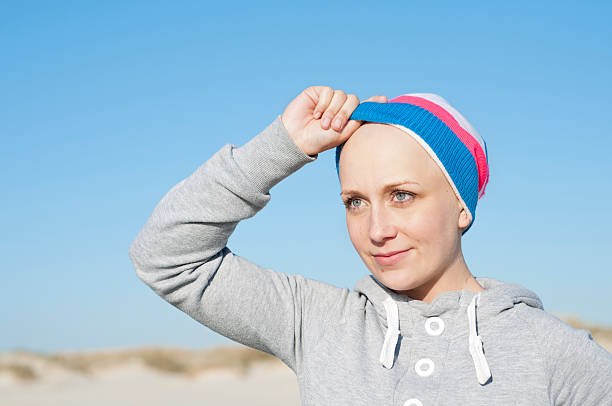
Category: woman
[421,330]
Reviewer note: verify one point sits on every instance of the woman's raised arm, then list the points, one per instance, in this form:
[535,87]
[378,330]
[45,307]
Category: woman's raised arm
[181,250]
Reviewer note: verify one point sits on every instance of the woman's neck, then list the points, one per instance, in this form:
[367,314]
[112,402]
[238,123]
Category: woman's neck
[455,277]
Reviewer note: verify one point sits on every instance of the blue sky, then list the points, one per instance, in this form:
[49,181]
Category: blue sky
[104,106]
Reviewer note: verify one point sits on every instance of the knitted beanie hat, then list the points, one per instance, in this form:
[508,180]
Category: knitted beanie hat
[444,133]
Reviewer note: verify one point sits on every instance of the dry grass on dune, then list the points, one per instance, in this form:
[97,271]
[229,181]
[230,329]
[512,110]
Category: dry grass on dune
[28,365]
[19,371]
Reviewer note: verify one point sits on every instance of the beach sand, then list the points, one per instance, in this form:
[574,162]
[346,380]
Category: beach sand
[136,383]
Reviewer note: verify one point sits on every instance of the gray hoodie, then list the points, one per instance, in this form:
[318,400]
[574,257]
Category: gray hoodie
[355,347]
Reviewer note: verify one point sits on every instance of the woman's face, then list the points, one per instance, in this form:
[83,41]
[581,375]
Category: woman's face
[399,200]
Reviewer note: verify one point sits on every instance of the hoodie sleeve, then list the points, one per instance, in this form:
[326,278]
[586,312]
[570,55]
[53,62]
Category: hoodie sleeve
[181,252]
[581,369]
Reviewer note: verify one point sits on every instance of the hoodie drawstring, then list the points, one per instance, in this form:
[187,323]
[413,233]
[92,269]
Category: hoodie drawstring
[387,354]
[480,362]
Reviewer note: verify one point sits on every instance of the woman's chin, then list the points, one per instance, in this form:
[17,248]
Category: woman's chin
[397,281]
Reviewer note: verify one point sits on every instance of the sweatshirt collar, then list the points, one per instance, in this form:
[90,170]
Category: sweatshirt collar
[497,297]
[472,306]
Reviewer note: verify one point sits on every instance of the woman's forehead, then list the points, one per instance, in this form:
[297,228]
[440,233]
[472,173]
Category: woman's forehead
[381,142]
[377,152]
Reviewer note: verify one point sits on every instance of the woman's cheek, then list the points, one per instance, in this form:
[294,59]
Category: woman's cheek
[431,228]
[416,225]
[357,232]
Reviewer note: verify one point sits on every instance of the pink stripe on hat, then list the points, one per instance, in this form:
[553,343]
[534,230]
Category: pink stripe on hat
[458,124]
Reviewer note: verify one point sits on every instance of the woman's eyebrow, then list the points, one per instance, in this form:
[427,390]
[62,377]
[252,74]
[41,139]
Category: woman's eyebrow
[386,187]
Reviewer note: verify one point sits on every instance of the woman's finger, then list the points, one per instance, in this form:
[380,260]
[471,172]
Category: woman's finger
[325,97]
[377,99]
[349,129]
[352,125]
[336,103]
[351,103]
[348,112]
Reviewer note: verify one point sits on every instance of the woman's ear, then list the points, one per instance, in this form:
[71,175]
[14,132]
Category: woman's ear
[464,219]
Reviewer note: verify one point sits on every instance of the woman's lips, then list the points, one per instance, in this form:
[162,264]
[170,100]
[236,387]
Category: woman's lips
[391,259]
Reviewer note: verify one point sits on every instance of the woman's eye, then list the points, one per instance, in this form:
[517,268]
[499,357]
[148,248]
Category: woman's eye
[402,196]
[349,203]
[353,203]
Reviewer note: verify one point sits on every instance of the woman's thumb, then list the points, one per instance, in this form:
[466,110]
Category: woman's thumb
[377,99]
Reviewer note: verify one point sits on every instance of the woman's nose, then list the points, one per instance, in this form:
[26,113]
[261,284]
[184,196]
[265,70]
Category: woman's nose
[381,225]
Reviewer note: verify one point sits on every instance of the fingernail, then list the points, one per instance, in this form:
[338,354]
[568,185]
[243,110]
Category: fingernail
[317,114]
[338,123]
[325,122]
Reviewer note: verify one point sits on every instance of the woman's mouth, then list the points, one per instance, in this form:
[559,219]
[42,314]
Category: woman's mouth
[394,258]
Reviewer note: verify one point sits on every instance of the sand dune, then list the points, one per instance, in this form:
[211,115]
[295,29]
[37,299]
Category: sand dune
[133,384]
[161,376]
[157,376]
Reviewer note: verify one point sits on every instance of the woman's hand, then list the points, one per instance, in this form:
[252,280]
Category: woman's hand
[317,118]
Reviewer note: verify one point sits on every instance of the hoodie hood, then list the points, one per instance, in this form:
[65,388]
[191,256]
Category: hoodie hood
[397,311]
